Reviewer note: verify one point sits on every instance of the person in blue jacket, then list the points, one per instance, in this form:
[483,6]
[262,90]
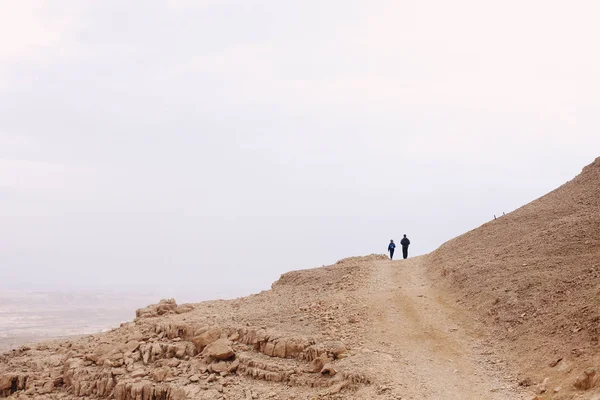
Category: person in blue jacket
[391,248]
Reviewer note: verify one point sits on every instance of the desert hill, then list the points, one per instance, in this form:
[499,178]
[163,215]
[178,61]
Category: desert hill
[508,311]
[363,328]
[533,276]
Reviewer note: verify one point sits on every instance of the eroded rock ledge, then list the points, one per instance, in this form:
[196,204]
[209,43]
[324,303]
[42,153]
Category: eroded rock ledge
[150,359]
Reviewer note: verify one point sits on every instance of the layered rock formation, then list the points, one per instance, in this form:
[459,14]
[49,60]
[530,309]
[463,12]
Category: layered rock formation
[209,350]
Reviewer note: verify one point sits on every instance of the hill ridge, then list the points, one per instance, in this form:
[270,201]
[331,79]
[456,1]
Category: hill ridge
[533,276]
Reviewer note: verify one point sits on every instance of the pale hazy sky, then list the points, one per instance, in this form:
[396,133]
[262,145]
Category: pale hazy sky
[202,148]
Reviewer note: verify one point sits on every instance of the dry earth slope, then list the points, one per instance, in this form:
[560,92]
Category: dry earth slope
[364,328]
[533,276]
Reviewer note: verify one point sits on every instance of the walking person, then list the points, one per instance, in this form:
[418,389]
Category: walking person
[405,243]
[391,248]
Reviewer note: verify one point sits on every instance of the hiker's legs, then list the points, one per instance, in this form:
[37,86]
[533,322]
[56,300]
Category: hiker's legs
[405,252]
[391,254]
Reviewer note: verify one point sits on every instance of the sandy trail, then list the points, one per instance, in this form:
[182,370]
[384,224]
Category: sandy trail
[429,349]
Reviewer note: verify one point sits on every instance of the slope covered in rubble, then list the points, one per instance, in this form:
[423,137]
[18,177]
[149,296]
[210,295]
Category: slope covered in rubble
[533,276]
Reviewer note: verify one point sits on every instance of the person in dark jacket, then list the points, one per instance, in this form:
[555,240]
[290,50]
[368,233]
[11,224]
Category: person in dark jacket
[391,249]
[405,243]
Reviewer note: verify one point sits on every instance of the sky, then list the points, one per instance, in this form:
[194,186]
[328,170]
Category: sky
[199,149]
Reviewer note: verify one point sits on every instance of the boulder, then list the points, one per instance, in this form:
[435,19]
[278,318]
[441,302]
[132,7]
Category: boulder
[163,307]
[206,338]
[220,349]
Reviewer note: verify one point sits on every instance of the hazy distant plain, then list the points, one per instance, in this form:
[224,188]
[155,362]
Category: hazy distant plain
[32,316]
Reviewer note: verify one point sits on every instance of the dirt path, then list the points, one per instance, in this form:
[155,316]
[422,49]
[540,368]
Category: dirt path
[429,349]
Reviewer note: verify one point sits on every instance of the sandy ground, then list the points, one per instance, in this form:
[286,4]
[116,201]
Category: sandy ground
[433,350]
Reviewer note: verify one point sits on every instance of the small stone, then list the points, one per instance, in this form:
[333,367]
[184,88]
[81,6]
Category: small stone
[525,382]
[315,366]
[328,370]
[542,387]
[48,387]
[587,380]
[554,363]
[219,366]
[138,373]
[160,375]
[233,366]
[118,371]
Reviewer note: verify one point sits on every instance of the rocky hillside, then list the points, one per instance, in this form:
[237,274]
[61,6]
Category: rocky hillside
[293,341]
[521,293]
[364,328]
[533,276]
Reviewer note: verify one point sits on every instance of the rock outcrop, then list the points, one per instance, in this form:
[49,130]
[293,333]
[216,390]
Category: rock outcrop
[211,350]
